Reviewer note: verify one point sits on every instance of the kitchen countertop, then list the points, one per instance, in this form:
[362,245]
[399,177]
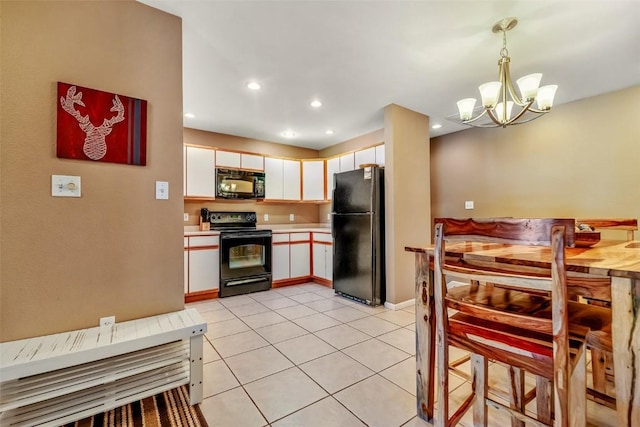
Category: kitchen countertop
[193,230]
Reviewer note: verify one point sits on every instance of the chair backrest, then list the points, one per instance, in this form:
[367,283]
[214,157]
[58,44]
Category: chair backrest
[628,224]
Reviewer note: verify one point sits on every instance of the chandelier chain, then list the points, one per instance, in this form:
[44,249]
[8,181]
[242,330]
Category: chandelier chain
[504,53]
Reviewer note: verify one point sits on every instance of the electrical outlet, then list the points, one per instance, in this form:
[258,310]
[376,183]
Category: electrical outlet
[266,217]
[162,190]
[185,216]
[328,217]
[107,322]
[292,217]
[468,204]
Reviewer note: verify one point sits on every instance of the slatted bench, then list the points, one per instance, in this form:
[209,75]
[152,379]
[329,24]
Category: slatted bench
[56,379]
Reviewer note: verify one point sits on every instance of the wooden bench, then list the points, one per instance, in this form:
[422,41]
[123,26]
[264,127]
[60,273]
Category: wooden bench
[628,224]
[55,379]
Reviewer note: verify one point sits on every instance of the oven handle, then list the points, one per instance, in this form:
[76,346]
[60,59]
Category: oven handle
[245,281]
[244,235]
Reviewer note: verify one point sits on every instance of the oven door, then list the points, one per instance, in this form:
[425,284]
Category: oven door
[245,261]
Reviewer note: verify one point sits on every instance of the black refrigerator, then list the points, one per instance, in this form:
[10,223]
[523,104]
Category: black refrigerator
[358,235]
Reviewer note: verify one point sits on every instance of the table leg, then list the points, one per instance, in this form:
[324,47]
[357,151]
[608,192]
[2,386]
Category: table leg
[625,305]
[425,337]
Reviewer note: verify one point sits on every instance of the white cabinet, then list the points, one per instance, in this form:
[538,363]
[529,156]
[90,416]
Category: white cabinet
[251,161]
[290,256]
[227,159]
[313,180]
[366,156]
[282,179]
[333,167]
[380,154]
[322,256]
[347,162]
[202,264]
[299,255]
[280,256]
[199,180]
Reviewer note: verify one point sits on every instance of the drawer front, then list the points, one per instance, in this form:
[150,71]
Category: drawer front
[300,237]
[322,237]
[280,237]
[198,241]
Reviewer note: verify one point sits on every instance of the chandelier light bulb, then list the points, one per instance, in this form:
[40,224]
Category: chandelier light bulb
[545,97]
[529,86]
[490,93]
[499,112]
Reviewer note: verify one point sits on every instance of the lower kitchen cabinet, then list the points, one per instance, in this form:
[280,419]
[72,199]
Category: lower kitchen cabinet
[291,256]
[202,265]
[323,257]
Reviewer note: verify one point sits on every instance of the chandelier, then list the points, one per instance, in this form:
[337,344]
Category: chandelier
[495,95]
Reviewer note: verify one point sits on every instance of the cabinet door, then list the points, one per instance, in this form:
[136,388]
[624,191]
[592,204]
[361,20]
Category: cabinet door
[204,269]
[319,260]
[313,180]
[227,159]
[328,262]
[200,180]
[280,261]
[291,179]
[333,166]
[186,271]
[366,156]
[300,259]
[273,177]
[380,154]
[252,161]
[347,162]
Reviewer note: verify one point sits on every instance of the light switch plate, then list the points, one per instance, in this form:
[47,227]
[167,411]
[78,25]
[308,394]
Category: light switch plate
[266,217]
[65,186]
[468,204]
[162,190]
[185,216]
[292,217]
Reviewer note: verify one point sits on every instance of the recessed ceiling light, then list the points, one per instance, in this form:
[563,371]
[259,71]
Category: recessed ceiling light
[288,134]
[436,126]
[254,85]
[330,132]
[189,115]
[315,103]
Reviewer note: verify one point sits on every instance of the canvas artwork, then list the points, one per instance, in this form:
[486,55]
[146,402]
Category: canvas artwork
[101,126]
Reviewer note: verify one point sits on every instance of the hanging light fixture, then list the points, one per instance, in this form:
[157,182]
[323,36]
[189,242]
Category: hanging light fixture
[499,97]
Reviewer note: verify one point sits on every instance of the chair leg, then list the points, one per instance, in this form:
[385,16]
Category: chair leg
[544,401]
[516,393]
[578,392]
[480,388]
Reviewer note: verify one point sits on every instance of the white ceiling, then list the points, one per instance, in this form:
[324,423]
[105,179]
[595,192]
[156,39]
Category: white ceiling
[359,56]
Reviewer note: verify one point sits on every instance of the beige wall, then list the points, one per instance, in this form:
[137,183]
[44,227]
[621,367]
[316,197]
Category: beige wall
[354,144]
[116,250]
[580,160]
[407,196]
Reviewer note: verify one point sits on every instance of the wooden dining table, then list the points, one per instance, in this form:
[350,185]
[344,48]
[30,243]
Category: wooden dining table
[619,260]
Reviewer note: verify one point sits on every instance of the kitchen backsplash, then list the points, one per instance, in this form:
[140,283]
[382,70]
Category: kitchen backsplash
[279,213]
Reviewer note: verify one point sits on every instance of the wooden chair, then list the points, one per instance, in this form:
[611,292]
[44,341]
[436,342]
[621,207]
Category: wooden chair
[510,322]
[628,224]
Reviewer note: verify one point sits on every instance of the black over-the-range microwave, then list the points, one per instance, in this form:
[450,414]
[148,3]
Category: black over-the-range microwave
[239,184]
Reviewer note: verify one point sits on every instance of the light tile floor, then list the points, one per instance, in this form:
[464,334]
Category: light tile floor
[301,356]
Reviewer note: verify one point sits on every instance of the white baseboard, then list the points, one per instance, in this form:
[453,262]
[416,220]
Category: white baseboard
[400,305]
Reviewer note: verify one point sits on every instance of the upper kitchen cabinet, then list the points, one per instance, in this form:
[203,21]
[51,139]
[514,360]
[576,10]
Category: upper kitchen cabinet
[366,156]
[333,167]
[251,161]
[313,180]
[231,159]
[380,154]
[282,179]
[227,159]
[347,162]
[199,172]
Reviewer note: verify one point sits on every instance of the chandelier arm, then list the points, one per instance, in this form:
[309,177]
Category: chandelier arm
[475,118]
[509,84]
[535,110]
[524,109]
[494,118]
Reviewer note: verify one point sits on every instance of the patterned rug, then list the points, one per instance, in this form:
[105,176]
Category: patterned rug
[168,409]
